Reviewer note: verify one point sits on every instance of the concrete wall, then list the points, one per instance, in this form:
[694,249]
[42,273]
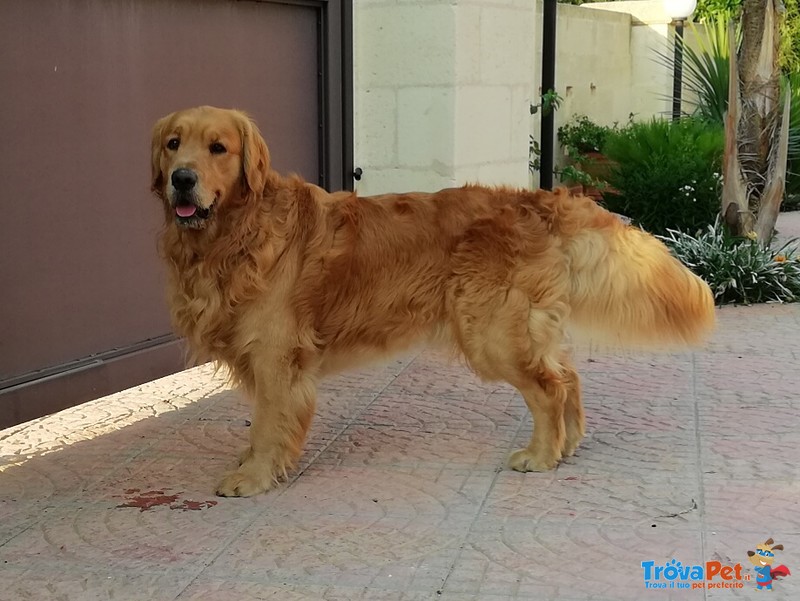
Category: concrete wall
[443,87]
[606,65]
[594,63]
[442,92]
[650,82]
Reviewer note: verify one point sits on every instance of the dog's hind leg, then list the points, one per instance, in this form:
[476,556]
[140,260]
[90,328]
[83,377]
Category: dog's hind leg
[574,420]
[509,338]
[553,396]
[545,396]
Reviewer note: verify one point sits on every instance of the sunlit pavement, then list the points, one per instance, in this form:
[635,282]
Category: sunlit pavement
[402,493]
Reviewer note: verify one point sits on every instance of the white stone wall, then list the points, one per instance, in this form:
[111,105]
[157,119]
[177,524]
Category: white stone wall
[606,65]
[442,90]
[650,82]
[593,64]
[443,87]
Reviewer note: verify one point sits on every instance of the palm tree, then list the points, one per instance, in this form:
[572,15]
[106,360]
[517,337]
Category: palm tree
[756,125]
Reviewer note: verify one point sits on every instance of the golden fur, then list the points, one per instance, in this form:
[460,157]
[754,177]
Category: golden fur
[284,283]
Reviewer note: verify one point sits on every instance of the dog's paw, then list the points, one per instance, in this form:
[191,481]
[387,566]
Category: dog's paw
[525,460]
[238,484]
[257,473]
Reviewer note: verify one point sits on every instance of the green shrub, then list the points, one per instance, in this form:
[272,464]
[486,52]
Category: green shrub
[666,175]
[739,270]
[793,167]
[709,9]
[789,51]
[583,140]
[581,135]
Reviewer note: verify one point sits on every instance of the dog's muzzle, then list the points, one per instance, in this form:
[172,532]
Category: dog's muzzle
[188,211]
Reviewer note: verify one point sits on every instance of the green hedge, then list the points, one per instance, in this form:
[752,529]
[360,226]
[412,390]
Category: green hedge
[666,175]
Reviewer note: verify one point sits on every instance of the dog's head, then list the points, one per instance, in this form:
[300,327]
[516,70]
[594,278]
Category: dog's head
[205,159]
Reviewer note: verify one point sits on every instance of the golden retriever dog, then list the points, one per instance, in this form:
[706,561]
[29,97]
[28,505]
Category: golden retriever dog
[284,283]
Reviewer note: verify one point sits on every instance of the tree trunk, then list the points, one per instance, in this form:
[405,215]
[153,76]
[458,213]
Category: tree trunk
[755,152]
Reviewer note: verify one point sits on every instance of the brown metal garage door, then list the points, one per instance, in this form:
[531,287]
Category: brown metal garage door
[82,309]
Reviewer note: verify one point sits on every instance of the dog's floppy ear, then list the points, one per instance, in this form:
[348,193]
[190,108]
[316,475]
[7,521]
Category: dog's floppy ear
[157,178]
[255,155]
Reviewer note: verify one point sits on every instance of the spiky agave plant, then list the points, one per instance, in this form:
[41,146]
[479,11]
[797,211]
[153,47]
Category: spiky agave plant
[739,270]
[705,68]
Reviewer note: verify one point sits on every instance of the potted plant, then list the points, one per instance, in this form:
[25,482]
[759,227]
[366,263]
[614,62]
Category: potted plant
[581,135]
[583,141]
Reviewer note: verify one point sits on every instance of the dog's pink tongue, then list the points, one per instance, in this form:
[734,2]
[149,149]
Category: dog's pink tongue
[185,210]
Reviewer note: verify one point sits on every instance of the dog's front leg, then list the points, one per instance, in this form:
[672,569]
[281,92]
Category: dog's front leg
[285,400]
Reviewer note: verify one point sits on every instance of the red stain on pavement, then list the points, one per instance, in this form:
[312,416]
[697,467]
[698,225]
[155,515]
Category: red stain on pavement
[144,501]
[194,505]
[150,499]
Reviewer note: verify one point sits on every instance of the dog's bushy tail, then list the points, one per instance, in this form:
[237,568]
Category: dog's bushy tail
[627,289]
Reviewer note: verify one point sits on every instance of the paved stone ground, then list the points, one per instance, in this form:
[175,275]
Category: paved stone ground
[788,226]
[401,495]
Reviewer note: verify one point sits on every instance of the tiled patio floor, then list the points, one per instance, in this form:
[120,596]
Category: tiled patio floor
[401,494]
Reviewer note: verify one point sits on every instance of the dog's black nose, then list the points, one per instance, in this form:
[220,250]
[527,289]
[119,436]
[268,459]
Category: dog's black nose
[184,179]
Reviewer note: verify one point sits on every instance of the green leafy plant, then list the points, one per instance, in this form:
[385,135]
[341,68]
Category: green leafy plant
[789,50]
[576,175]
[711,9]
[705,69]
[534,155]
[549,102]
[792,200]
[790,38]
[666,175]
[583,140]
[738,270]
[581,135]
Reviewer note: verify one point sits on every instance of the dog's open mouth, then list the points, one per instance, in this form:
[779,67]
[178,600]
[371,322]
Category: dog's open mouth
[188,214]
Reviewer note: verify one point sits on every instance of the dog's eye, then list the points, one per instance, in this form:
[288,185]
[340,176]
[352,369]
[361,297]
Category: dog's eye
[217,148]
[173,144]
